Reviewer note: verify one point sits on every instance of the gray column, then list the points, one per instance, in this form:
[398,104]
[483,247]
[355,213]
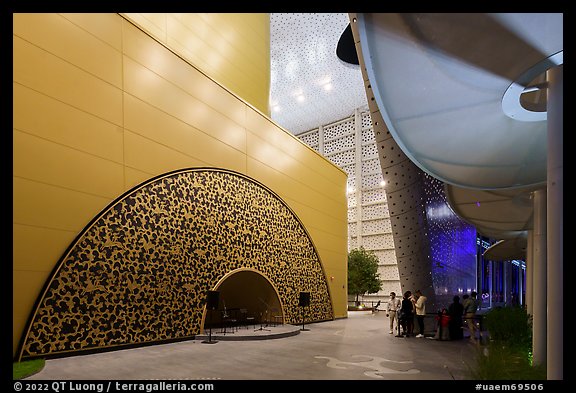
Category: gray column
[358,175]
[555,207]
[529,272]
[539,299]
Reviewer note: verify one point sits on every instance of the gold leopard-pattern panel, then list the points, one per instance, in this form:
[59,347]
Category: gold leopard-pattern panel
[140,271]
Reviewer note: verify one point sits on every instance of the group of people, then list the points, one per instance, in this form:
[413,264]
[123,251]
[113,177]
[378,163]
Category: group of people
[450,321]
[458,313]
[403,312]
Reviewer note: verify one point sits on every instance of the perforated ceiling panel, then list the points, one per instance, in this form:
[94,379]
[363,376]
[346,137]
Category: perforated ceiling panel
[309,85]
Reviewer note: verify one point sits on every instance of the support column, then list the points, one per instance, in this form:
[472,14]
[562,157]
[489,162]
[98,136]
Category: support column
[555,214]
[491,282]
[520,299]
[505,278]
[358,174]
[539,300]
[529,272]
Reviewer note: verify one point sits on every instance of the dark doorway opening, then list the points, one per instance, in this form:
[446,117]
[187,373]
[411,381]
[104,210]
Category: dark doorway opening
[246,299]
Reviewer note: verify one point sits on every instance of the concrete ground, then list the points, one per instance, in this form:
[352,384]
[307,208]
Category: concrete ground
[355,348]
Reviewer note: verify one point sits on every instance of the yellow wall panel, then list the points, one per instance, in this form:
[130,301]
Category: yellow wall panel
[191,25]
[338,282]
[237,56]
[328,241]
[157,91]
[267,130]
[171,132]
[241,24]
[153,23]
[161,61]
[329,223]
[61,37]
[237,32]
[26,285]
[289,188]
[134,177]
[68,168]
[107,27]
[286,187]
[229,37]
[154,158]
[191,40]
[36,248]
[48,206]
[63,124]
[192,57]
[48,74]
[274,157]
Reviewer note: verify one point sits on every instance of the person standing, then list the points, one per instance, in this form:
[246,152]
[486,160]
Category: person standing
[420,307]
[407,311]
[455,311]
[470,308]
[443,320]
[392,310]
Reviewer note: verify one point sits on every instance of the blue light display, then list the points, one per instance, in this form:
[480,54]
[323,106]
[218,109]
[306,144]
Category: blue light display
[452,246]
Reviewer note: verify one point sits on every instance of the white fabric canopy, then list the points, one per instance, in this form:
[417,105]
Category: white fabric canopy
[507,249]
[499,214]
[449,86]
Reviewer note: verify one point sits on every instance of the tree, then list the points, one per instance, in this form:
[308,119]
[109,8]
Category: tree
[363,276]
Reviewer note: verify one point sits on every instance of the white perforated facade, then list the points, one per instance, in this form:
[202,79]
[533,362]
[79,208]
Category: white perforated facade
[350,144]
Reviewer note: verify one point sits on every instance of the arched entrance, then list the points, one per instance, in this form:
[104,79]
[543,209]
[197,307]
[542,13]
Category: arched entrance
[246,293]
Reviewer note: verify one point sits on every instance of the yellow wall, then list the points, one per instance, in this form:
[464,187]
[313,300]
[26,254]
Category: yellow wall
[99,106]
[233,49]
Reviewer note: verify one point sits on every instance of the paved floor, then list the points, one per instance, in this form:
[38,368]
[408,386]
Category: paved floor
[354,348]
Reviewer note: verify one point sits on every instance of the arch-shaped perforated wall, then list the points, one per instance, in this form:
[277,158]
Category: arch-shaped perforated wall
[139,272]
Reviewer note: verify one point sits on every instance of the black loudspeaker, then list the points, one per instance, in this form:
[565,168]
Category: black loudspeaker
[304,300]
[212,299]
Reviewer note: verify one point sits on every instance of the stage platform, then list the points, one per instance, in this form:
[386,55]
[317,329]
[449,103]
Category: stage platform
[251,332]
